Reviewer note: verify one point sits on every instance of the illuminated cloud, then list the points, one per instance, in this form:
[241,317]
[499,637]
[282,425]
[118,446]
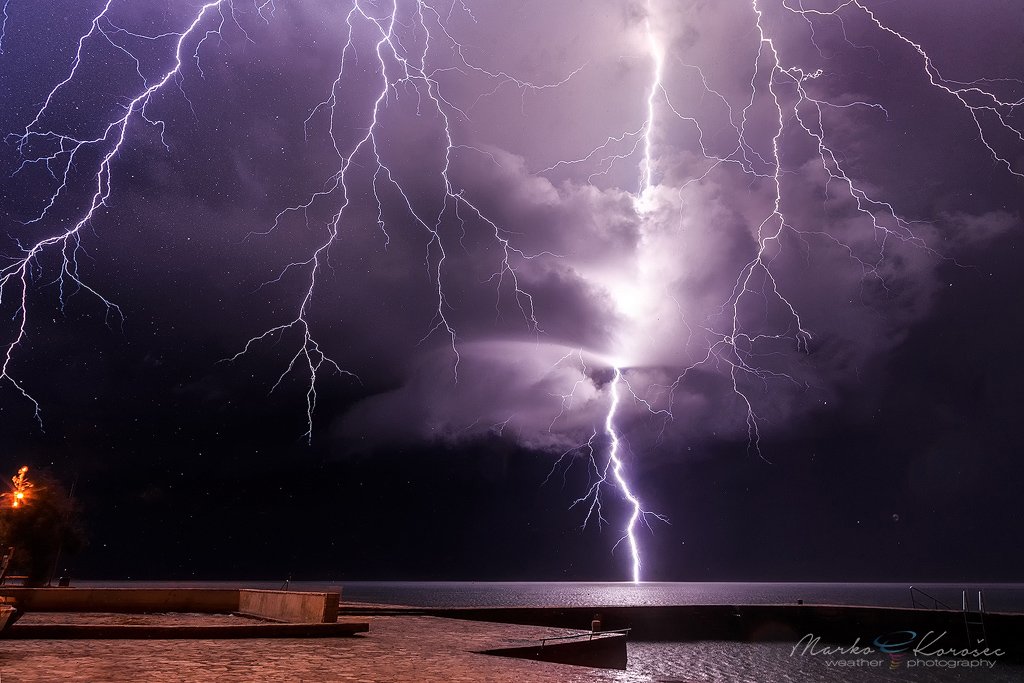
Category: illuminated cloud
[456,221]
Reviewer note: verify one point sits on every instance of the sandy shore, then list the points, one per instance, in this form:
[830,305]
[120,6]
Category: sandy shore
[398,648]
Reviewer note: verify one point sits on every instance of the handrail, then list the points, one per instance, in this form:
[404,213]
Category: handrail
[588,634]
[965,601]
[935,601]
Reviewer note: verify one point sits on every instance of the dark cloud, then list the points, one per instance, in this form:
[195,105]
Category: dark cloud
[668,285]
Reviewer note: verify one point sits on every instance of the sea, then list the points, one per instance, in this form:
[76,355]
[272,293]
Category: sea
[997,597]
[710,660]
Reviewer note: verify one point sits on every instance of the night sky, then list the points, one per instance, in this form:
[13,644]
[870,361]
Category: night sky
[436,229]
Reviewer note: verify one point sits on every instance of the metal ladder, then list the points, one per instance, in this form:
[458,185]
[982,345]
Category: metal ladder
[974,622]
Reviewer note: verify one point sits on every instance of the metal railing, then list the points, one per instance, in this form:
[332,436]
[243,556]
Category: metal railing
[974,620]
[589,635]
[936,603]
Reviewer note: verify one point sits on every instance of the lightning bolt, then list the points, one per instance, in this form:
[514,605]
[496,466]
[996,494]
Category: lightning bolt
[58,150]
[642,203]
[413,51]
[642,139]
[736,340]
[609,472]
[656,88]
[3,24]
[399,68]
[614,450]
[738,345]
[986,100]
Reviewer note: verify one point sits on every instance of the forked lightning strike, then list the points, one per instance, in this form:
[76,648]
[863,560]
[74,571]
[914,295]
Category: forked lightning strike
[414,51]
[57,150]
[611,472]
[614,452]
[399,68]
[736,344]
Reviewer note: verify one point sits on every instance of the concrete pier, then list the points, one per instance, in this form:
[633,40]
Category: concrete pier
[296,614]
[841,624]
[124,600]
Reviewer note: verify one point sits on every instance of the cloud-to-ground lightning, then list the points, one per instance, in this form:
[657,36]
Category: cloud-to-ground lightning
[614,452]
[735,344]
[409,52]
[611,471]
[647,181]
[732,341]
[400,66]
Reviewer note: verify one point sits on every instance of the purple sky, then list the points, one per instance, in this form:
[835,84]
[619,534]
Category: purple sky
[752,239]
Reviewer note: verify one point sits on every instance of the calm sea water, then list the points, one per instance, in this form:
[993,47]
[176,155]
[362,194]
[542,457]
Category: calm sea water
[777,663]
[1004,597]
[725,661]
[701,661]
[997,597]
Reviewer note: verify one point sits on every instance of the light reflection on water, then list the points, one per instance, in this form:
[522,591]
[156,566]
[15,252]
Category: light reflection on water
[774,662]
[998,597]
[691,662]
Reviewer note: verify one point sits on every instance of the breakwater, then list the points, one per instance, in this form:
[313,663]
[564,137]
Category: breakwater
[835,624]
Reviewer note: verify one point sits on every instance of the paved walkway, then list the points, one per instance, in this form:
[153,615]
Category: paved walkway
[119,619]
[398,649]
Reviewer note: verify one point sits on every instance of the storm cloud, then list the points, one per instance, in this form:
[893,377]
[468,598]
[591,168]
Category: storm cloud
[758,241]
[550,129]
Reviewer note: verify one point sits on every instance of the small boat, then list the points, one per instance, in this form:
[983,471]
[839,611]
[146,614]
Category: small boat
[598,649]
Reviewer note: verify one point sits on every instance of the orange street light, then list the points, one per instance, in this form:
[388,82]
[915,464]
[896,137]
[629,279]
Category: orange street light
[21,486]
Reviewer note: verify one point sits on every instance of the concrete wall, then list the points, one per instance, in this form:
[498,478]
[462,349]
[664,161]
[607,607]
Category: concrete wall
[290,606]
[836,624]
[134,600]
[297,607]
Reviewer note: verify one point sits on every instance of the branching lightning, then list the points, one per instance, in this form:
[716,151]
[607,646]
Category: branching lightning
[610,472]
[414,54]
[57,149]
[737,344]
[786,86]
[614,449]
[400,68]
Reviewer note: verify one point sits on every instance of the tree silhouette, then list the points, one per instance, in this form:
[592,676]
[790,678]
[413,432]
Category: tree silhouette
[43,524]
